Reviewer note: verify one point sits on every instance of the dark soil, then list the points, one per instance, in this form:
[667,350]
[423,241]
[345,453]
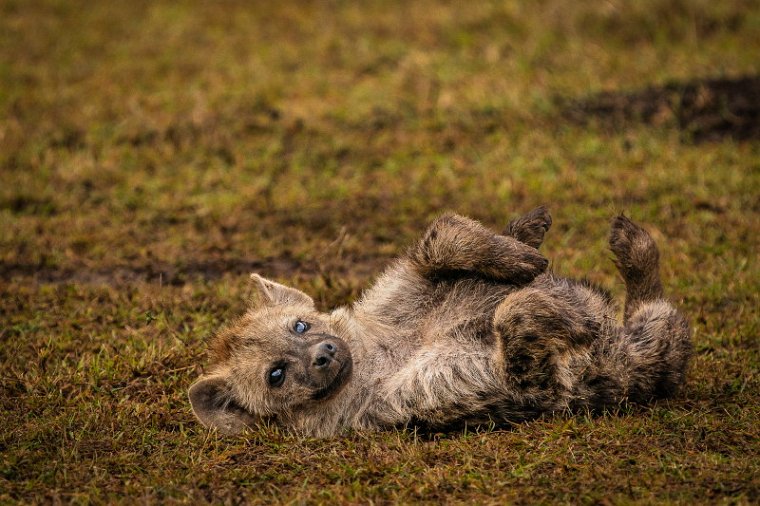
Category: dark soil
[184,273]
[702,109]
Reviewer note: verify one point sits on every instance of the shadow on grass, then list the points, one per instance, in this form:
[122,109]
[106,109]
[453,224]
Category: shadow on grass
[702,109]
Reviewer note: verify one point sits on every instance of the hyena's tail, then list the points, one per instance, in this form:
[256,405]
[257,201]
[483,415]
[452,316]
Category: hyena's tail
[651,354]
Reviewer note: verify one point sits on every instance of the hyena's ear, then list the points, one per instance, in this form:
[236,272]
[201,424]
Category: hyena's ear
[275,294]
[214,407]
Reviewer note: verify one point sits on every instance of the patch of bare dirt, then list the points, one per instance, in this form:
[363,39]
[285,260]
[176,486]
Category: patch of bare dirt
[187,272]
[702,109]
[176,275]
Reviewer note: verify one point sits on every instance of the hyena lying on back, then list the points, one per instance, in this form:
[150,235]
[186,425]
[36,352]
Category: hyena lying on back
[465,327]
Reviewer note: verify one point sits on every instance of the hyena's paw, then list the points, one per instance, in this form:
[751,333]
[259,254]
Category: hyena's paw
[528,264]
[530,228]
[635,251]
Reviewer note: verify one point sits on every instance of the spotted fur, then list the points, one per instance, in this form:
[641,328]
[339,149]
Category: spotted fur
[466,327]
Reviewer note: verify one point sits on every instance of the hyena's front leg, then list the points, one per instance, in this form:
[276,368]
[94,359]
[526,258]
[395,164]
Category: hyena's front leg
[638,260]
[455,244]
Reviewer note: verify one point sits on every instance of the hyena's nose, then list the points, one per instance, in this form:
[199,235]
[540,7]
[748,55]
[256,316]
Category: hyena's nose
[324,355]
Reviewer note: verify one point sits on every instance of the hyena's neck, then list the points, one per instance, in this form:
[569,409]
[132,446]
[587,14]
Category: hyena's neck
[367,341]
[374,356]
[377,345]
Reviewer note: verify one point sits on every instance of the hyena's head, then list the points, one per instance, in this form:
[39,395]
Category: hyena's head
[280,357]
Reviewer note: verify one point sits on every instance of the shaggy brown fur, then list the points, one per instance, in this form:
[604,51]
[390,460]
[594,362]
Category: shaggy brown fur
[466,327]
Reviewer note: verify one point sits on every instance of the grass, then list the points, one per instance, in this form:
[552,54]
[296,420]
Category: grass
[153,153]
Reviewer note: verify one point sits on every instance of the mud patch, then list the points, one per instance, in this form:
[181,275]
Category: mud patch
[702,109]
[176,275]
[188,272]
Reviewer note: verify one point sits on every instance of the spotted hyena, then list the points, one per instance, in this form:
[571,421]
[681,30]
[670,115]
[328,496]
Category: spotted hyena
[467,326]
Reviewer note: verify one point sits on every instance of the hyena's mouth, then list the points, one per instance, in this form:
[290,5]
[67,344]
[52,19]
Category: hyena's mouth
[341,378]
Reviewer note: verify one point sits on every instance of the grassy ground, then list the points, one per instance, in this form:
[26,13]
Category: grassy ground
[153,153]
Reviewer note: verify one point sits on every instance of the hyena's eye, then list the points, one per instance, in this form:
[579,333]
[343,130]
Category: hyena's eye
[300,327]
[276,376]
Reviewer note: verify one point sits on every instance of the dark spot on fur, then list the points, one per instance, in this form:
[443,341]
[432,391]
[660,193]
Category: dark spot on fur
[546,375]
[519,364]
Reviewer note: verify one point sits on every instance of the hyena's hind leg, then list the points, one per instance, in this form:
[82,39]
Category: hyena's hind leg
[648,357]
[638,261]
[530,228]
[657,341]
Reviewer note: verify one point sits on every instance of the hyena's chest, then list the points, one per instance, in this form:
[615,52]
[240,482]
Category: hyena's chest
[460,328]
[418,311]
[465,312]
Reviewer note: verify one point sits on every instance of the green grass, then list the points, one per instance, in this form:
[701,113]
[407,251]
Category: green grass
[153,153]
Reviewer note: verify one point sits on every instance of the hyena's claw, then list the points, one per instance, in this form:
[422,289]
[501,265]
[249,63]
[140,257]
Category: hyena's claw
[531,227]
